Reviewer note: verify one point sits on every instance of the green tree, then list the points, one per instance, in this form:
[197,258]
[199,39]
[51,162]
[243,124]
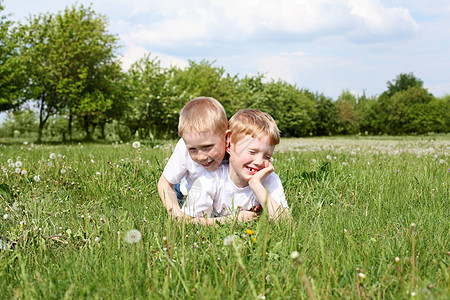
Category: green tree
[326,118]
[409,111]
[402,82]
[292,108]
[347,116]
[11,79]
[146,83]
[68,59]
[368,109]
[20,123]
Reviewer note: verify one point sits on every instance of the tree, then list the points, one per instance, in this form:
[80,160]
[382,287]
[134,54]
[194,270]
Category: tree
[20,122]
[368,109]
[68,59]
[11,79]
[147,86]
[293,109]
[402,82]
[326,118]
[347,117]
[409,111]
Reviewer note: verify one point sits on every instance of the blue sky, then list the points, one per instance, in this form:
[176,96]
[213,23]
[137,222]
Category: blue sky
[326,46]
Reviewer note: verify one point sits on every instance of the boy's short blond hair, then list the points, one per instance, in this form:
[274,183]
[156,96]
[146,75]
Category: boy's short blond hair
[203,114]
[254,123]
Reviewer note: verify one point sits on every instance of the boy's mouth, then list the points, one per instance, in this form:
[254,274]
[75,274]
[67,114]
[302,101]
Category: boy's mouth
[208,164]
[252,170]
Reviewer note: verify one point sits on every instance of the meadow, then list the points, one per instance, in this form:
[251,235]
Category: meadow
[370,219]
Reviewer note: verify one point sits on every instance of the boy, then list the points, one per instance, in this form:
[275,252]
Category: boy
[202,126]
[247,181]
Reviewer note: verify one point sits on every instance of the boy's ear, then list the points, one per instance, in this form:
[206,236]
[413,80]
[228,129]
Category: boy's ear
[227,140]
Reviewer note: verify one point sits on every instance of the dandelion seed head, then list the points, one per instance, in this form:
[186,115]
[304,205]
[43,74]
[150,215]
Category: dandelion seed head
[136,145]
[52,155]
[229,240]
[23,172]
[133,236]
[18,164]
[5,216]
[63,171]
[295,255]
[37,178]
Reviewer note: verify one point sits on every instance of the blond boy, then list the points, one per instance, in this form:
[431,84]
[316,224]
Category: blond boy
[202,126]
[247,181]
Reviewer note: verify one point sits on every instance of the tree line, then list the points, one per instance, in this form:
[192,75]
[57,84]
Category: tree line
[66,65]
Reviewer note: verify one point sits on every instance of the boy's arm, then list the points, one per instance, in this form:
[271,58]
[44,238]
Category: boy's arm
[199,205]
[169,198]
[275,210]
[243,216]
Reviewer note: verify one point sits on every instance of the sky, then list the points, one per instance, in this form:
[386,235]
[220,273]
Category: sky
[325,46]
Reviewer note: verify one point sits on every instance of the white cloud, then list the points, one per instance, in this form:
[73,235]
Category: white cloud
[134,52]
[380,21]
[201,22]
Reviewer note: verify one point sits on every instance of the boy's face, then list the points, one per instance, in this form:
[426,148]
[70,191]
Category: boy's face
[247,157]
[205,148]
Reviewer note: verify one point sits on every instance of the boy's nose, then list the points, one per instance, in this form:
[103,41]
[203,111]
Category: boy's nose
[201,156]
[259,161]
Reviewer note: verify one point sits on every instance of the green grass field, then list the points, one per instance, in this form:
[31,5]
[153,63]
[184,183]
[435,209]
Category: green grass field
[353,200]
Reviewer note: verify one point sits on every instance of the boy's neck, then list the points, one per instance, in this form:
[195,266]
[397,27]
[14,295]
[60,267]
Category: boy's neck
[239,182]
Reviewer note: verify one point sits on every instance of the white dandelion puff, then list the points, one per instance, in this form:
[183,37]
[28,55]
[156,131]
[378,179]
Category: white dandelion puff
[18,164]
[37,178]
[133,236]
[23,172]
[136,145]
[18,170]
[52,155]
[229,240]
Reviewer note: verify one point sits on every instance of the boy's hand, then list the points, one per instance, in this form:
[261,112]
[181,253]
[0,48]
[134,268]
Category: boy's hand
[262,174]
[246,216]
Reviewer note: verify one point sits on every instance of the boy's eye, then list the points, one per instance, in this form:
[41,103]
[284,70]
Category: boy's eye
[268,157]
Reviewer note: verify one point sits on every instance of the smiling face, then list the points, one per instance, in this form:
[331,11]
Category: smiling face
[205,148]
[248,156]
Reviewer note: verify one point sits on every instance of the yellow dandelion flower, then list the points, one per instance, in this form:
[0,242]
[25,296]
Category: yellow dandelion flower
[250,232]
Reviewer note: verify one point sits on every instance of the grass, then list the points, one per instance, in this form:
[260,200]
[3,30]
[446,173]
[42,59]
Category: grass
[352,200]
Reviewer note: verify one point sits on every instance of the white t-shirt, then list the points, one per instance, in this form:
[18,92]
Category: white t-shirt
[214,194]
[181,165]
